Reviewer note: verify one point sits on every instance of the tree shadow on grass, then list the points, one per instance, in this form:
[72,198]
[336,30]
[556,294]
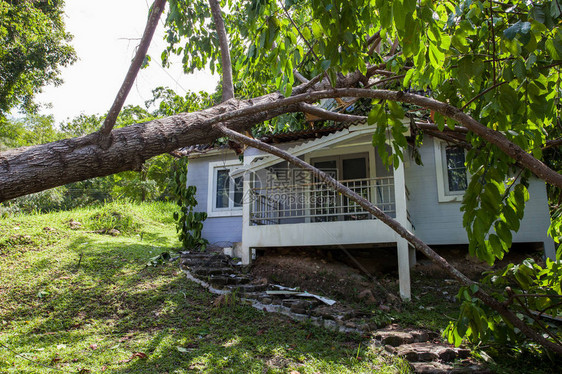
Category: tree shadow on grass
[112,306]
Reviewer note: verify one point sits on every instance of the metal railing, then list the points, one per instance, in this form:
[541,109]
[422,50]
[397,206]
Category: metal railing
[317,202]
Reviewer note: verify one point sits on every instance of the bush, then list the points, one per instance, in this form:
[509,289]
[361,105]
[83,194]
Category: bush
[113,217]
[44,201]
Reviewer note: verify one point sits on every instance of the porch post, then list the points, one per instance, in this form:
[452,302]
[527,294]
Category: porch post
[401,244]
[402,247]
[246,252]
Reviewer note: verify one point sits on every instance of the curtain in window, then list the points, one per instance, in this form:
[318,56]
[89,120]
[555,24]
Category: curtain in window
[223,188]
[456,170]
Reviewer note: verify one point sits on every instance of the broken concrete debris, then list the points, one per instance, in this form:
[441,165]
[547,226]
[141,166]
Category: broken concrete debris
[325,300]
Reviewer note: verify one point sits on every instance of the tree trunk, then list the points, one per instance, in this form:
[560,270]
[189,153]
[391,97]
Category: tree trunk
[37,168]
[31,169]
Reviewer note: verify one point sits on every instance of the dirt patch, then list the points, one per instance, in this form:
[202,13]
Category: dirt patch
[330,273]
[319,273]
[470,266]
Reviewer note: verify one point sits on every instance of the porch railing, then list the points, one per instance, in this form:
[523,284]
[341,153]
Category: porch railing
[317,202]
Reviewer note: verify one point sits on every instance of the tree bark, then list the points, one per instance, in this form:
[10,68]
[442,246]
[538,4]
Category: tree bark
[37,168]
[31,169]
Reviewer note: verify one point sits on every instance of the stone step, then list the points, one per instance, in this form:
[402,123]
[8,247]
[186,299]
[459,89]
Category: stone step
[248,290]
[210,262]
[426,352]
[211,271]
[444,368]
[300,306]
[224,280]
[392,337]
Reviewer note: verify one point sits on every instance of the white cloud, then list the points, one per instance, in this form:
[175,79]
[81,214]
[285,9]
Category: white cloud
[106,33]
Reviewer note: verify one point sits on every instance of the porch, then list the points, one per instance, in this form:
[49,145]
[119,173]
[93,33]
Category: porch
[314,201]
[288,207]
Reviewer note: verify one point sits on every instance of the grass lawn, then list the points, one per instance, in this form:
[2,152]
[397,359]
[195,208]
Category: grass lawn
[81,302]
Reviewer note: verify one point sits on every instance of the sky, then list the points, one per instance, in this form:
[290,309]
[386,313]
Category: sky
[106,33]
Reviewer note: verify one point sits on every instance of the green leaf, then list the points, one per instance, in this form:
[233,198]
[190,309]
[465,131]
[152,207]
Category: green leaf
[555,9]
[508,99]
[512,31]
[439,121]
[502,230]
[554,48]
[396,109]
[398,15]
[317,30]
[436,57]
[519,69]
[524,32]
[537,13]
[377,115]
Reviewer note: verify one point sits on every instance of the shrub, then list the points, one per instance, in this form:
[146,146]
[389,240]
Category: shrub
[115,217]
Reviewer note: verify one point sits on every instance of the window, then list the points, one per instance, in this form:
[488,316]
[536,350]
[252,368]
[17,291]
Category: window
[452,178]
[225,193]
[456,170]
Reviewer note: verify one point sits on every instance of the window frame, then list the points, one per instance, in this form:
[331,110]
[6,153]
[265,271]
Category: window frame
[212,210]
[444,194]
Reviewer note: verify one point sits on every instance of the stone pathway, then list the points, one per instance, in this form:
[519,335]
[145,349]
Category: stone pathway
[424,349]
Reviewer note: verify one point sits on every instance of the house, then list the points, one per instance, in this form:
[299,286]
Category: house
[259,201]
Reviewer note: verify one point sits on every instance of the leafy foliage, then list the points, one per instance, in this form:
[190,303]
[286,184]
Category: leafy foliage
[531,290]
[113,217]
[151,183]
[29,130]
[34,47]
[498,61]
[189,223]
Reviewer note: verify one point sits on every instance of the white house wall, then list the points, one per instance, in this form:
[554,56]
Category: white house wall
[215,229]
[441,222]
[321,233]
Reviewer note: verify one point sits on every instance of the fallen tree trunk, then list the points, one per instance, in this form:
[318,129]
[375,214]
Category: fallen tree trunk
[31,169]
[37,168]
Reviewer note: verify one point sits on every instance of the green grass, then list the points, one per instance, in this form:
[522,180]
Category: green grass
[83,302]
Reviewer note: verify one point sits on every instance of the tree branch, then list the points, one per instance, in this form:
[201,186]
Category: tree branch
[375,44]
[433,127]
[151,24]
[334,116]
[498,139]
[449,138]
[310,47]
[482,94]
[398,228]
[552,143]
[227,83]
[299,76]
[386,80]
[37,168]
[373,38]
[537,320]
